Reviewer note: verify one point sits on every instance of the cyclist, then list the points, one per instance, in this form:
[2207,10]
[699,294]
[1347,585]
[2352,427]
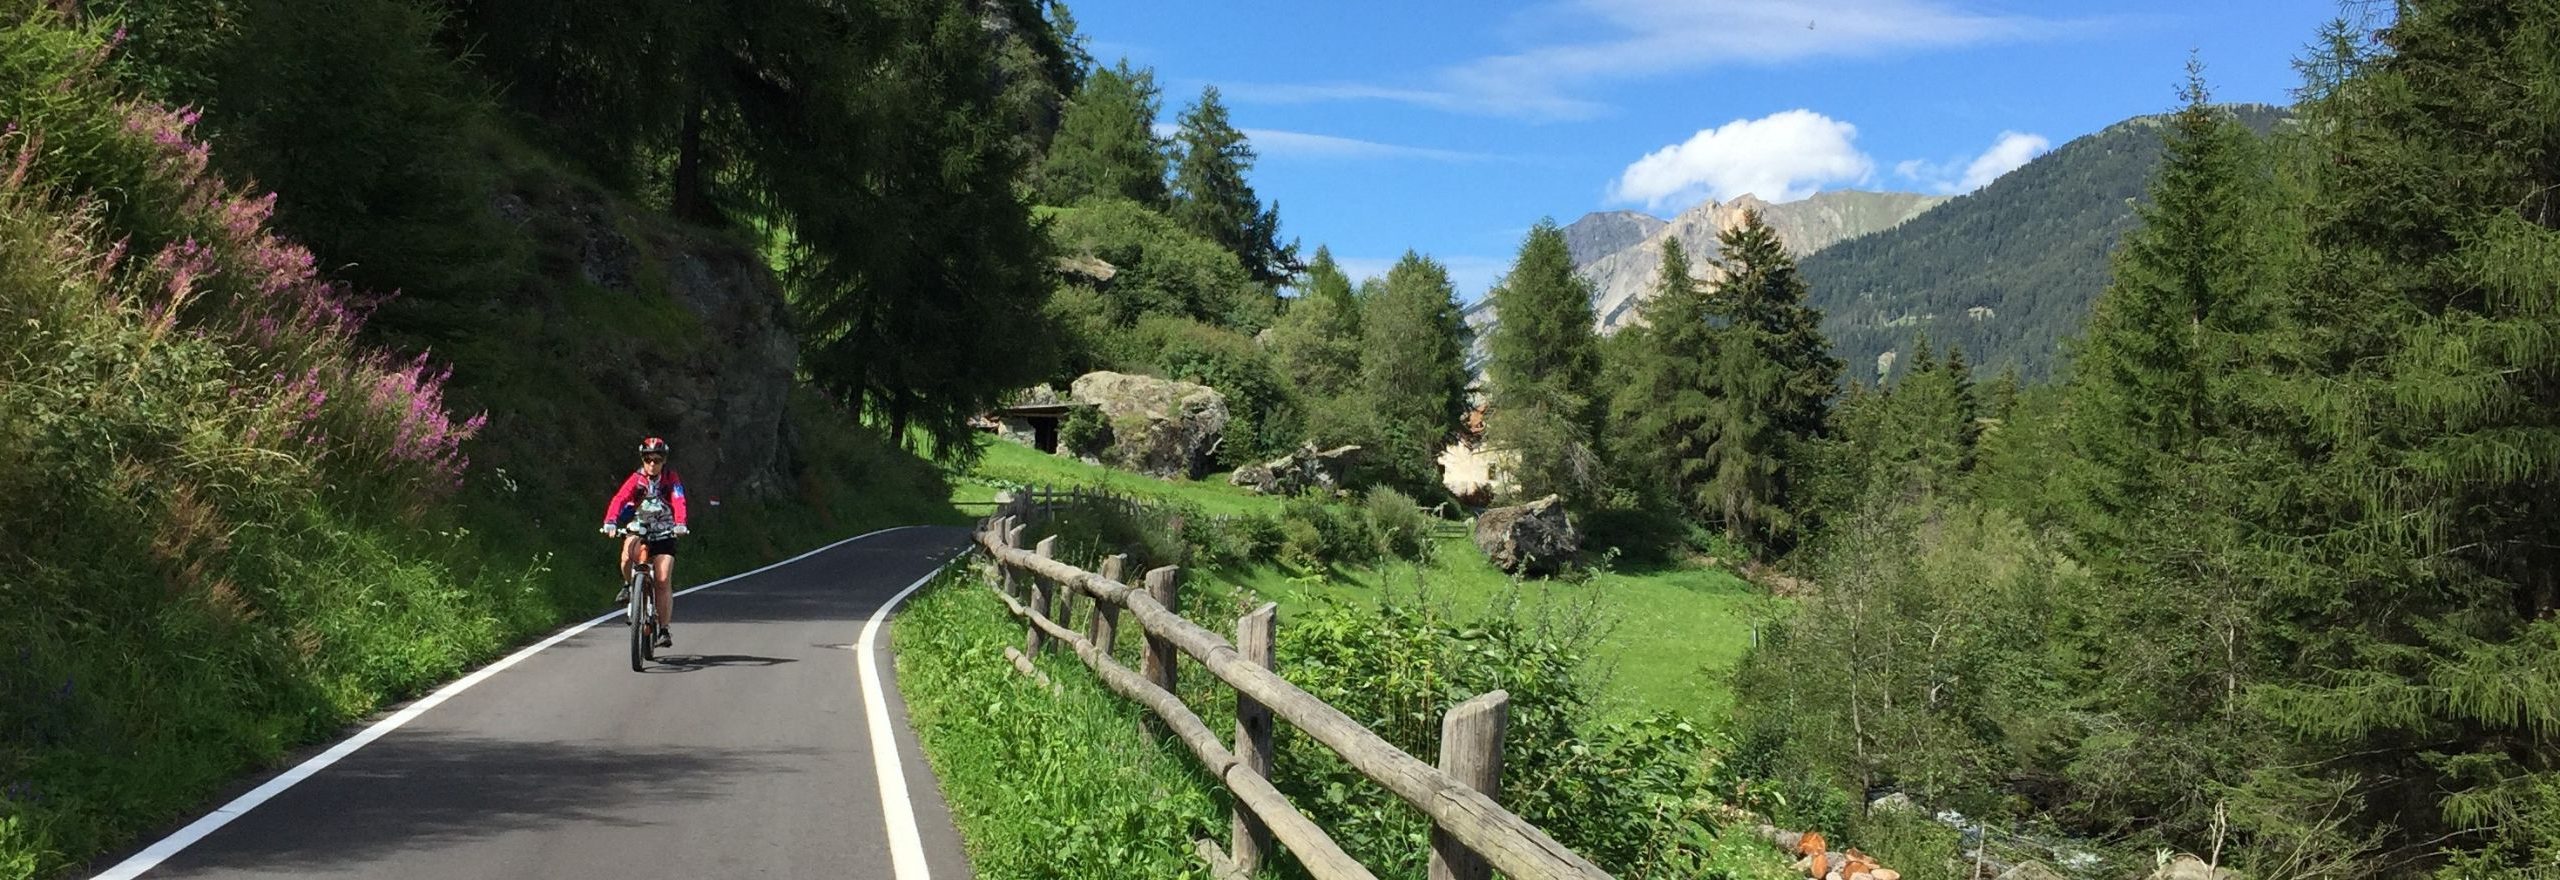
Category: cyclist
[653,496]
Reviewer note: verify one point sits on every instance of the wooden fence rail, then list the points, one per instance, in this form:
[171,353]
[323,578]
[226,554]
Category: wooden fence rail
[1472,834]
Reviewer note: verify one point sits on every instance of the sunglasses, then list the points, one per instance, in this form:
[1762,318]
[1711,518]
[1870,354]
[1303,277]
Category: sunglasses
[653,459]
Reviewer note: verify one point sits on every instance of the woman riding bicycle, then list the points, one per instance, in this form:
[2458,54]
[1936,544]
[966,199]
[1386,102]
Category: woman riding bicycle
[653,498]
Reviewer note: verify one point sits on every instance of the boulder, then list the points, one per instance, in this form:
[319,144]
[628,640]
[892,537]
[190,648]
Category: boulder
[1307,468]
[1896,802]
[1533,538]
[2031,870]
[2187,867]
[1159,427]
[1036,395]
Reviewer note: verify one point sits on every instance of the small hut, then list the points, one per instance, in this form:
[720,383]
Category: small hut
[1032,424]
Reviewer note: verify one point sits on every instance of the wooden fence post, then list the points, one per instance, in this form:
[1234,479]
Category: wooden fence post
[1471,753]
[1165,586]
[1013,539]
[1248,838]
[1039,604]
[1103,627]
[1010,529]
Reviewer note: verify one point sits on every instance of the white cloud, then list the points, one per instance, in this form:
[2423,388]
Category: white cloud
[1781,157]
[1304,145]
[1272,142]
[2011,150]
[1650,38]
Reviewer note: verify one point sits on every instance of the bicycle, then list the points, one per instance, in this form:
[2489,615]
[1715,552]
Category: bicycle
[640,609]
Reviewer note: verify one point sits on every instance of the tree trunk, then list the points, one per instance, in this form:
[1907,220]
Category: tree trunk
[691,202]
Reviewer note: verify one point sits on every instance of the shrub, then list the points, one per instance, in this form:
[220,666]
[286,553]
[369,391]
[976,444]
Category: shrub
[1263,416]
[1237,540]
[1400,529]
[1085,433]
[1628,795]
[1315,534]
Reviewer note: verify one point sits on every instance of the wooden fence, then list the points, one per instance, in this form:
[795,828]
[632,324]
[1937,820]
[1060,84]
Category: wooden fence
[1472,835]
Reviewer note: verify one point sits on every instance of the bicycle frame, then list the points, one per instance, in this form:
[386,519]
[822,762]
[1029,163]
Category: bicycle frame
[642,611]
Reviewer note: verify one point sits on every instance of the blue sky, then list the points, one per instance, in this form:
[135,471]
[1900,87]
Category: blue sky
[1449,128]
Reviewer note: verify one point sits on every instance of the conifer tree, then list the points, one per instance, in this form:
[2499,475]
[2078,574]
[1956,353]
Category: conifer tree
[1106,144]
[2422,605]
[1661,410]
[1212,198]
[1544,371]
[1318,340]
[2186,286]
[1413,373]
[1772,378]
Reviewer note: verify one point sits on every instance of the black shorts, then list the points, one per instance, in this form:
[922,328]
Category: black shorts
[661,546]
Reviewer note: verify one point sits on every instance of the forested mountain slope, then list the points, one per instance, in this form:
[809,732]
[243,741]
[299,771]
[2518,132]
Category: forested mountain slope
[2006,272]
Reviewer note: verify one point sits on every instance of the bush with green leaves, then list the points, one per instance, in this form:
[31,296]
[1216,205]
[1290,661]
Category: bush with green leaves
[1400,529]
[1315,534]
[1244,539]
[1263,416]
[1630,795]
[1085,433]
[1159,268]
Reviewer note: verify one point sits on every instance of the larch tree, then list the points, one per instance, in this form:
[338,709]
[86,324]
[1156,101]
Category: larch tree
[1106,145]
[1413,373]
[1544,372]
[1213,199]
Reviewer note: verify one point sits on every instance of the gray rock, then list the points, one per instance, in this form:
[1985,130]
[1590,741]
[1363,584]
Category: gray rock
[2187,867]
[1159,427]
[1896,802]
[1308,468]
[719,392]
[1533,538]
[2031,870]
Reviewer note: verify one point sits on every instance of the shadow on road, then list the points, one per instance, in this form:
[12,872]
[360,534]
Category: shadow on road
[424,792]
[695,662]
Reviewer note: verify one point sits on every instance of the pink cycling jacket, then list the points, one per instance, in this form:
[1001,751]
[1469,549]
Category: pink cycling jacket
[638,487]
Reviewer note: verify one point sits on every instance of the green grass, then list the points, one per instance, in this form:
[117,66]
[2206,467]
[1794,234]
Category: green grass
[1040,785]
[1672,634]
[1013,463]
[1669,637]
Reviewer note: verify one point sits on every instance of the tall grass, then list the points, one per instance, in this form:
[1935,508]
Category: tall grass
[1041,785]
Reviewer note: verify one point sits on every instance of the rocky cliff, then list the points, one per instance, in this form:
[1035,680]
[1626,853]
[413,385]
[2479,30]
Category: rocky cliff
[659,329]
[1624,278]
[1620,252]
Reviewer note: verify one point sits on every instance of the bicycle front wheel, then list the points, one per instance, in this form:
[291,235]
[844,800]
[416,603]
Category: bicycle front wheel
[637,614]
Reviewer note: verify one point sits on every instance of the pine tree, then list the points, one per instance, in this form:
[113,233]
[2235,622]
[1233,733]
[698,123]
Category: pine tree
[1413,373]
[2186,288]
[2422,601]
[1212,199]
[1318,340]
[1661,409]
[1106,144]
[1931,425]
[1772,379]
[1544,370]
[2000,398]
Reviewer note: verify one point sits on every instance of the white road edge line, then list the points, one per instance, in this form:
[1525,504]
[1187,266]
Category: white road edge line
[897,810]
[151,857]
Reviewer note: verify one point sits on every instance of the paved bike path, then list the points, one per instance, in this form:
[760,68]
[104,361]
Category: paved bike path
[746,751]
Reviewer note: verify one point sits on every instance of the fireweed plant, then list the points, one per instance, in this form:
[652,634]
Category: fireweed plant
[224,538]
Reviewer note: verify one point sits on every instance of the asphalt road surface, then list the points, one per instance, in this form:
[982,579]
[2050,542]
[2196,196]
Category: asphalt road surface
[746,751]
